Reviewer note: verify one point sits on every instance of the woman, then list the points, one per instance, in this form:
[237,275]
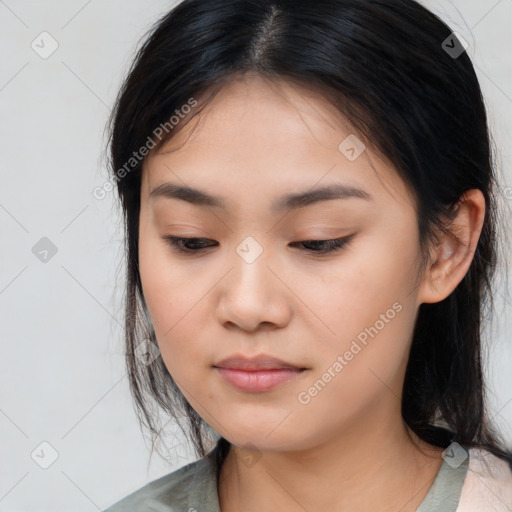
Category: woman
[309,200]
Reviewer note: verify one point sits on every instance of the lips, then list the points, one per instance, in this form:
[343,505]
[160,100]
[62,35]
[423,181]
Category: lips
[257,374]
[256,363]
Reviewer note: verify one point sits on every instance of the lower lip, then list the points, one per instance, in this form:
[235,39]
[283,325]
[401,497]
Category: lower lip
[258,381]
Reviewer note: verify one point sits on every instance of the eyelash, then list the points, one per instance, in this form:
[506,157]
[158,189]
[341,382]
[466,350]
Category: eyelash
[332,245]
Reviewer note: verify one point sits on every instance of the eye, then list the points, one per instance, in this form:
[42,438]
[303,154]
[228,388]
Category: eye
[195,245]
[324,246]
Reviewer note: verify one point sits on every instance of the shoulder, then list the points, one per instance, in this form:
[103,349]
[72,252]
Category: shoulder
[488,484]
[194,483]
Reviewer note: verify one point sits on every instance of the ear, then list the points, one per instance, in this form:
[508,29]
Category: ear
[450,259]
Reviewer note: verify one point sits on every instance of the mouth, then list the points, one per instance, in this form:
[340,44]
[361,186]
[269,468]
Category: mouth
[257,374]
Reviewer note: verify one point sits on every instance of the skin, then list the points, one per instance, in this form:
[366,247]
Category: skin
[347,448]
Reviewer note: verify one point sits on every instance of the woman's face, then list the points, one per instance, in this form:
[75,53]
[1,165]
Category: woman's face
[343,319]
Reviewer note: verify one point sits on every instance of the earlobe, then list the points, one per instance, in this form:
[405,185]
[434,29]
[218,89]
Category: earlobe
[451,258]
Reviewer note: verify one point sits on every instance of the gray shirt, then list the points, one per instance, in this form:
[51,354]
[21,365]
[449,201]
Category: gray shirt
[193,488]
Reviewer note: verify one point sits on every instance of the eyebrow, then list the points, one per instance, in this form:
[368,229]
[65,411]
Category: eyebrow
[284,203]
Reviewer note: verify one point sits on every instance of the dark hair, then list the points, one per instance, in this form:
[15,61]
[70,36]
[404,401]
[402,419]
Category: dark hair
[387,67]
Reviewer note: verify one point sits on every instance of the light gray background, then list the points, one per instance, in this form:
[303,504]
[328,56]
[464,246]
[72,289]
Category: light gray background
[62,377]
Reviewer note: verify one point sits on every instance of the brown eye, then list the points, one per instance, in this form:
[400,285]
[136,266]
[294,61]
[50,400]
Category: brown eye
[187,245]
[324,246]
[195,245]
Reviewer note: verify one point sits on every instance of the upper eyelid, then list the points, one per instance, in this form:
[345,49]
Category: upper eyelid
[202,238]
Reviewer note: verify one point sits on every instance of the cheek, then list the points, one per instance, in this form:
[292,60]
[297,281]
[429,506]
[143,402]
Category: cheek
[176,299]
[366,282]
[167,289]
[371,312]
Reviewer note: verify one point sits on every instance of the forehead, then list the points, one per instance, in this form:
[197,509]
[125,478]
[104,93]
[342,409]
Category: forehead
[257,137]
[253,112]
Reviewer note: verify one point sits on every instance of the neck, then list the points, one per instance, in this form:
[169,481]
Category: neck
[363,469]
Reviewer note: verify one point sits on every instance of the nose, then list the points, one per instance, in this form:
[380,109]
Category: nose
[253,296]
